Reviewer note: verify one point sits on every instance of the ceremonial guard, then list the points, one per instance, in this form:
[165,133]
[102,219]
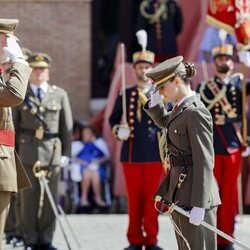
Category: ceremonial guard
[188,152]
[139,155]
[44,125]
[12,93]
[163,21]
[222,94]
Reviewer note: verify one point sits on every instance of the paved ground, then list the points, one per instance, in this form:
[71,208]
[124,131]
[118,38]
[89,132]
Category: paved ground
[108,232]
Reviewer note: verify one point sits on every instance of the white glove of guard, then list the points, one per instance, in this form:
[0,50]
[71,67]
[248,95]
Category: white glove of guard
[13,51]
[155,99]
[123,133]
[196,215]
[244,57]
[64,161]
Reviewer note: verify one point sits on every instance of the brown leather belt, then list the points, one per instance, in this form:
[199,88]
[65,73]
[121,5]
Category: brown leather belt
[182,160]
[45,135]
[7,137]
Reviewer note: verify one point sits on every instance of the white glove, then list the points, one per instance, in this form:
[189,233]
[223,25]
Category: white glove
[155,99]
[13,51]
[123,133]
[196,215]
[64,161]
[244,57]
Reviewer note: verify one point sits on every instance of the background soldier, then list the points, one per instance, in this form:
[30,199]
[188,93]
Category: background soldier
[44,124]
[139,156]
[12,176]
[222,96]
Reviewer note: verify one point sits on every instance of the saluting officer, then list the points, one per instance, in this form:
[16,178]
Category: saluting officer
[190,153]
[222,94]
[44,126]
[12,93]
[139,156]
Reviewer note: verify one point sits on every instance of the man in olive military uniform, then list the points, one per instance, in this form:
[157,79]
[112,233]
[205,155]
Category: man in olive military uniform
[139,156]
[222,94]
[12,93]
[44,126]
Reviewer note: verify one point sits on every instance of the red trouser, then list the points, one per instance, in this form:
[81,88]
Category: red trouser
[226,171]
[142,180]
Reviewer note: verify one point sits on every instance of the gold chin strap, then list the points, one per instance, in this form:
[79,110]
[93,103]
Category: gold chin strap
[164,79]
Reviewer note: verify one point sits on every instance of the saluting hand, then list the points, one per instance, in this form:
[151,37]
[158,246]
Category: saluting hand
[13,51]
[155,99]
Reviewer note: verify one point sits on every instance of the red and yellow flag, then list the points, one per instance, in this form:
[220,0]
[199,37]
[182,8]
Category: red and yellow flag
[232,16]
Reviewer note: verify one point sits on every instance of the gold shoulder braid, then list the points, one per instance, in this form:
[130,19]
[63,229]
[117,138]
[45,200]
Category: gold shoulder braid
[140,103]
[216,98]
[160,13]
[163,149]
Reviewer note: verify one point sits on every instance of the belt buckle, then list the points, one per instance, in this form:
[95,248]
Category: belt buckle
[39,133]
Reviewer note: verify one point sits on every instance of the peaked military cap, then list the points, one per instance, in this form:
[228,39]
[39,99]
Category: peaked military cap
[165,70]
[40,60]
[223,50]
[143,56]
[8,26]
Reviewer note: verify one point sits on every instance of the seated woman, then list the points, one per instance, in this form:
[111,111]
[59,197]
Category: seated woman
[92,157]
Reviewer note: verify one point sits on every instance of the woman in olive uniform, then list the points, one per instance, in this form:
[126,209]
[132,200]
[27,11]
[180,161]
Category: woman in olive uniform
[189,127]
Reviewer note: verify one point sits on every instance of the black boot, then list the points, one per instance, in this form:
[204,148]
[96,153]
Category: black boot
[153,247]
[31,247]
[47,246]
[133,247]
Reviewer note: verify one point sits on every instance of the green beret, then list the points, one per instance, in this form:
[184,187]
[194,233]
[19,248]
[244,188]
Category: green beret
[8,26]
[165,70]
[39,60]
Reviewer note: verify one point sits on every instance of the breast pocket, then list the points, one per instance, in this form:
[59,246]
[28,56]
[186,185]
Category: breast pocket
[53,111]
[179,136]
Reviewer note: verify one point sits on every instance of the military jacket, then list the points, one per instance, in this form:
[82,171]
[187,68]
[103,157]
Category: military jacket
[12,93]
[54,109]
[162,34]
[189,131]
[226,113]
[142,145]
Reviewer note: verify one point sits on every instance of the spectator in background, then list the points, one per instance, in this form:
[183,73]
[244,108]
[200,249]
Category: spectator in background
[92,154]
[211,38]
[162,20]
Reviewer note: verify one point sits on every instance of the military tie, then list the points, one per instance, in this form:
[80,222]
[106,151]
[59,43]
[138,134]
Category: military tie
[40,94]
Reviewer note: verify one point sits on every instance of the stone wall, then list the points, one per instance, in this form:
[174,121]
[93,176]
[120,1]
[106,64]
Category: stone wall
[62,29]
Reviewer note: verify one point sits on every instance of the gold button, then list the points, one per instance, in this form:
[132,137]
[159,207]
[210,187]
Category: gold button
[131,120]
[175,131]
[41,109]
[133,93]
[131,106]
[149,128]
[22,140]
[132,128]
[131,113]
[150,122]
[132,136]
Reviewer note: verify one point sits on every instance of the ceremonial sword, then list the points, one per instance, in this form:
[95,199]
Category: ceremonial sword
[174,207]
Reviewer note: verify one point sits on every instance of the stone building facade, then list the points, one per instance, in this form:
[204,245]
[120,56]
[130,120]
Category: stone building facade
[62,29]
